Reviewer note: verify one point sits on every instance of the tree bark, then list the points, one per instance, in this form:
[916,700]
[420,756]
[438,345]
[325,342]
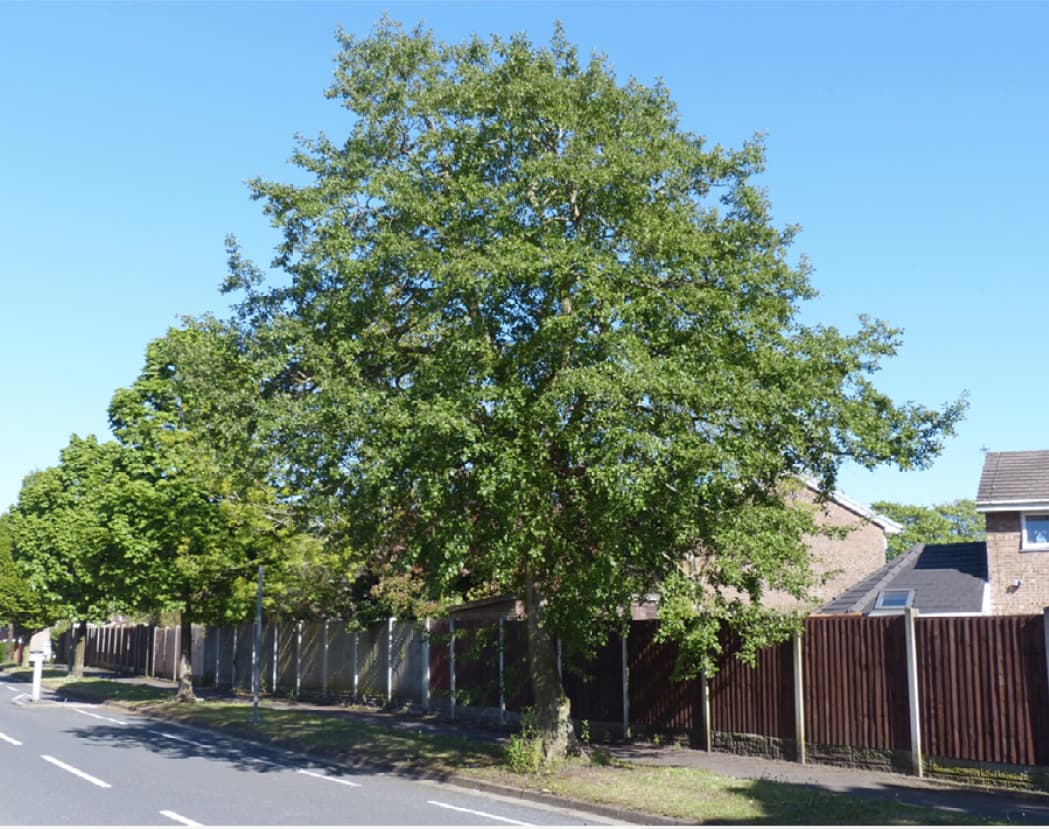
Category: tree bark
[552,706]
[185,660]
[79,650]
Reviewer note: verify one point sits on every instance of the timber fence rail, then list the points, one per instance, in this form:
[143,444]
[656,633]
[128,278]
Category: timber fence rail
[949,695]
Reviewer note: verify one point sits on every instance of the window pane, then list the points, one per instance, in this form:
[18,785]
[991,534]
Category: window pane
[894,598]
[1037,527]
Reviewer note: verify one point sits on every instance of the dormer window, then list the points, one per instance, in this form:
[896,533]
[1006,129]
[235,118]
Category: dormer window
[1035,531]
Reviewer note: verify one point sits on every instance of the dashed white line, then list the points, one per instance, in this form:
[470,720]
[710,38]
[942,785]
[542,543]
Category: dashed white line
[477,813]
[328,777]
[10,740]
[12,688]
[175,816]
[98,716]
[102,784]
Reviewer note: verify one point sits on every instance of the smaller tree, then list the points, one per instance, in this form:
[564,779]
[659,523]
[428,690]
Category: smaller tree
[940,524]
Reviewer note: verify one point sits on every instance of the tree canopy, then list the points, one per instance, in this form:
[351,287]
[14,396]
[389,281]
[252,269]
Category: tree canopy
[940,524]
[533,337]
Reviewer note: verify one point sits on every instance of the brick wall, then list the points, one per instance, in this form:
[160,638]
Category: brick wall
[1006,563]
[847,559]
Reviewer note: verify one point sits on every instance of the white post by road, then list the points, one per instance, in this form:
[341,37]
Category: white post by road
[38,673]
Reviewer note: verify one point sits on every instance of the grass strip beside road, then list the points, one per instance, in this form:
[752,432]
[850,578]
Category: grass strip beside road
[690,795]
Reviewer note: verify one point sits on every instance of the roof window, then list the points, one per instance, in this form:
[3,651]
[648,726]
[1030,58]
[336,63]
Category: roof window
[894,599]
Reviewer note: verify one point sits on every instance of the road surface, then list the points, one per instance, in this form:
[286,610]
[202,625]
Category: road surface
[67,763]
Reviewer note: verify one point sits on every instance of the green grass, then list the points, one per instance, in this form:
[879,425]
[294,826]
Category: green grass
[689,795]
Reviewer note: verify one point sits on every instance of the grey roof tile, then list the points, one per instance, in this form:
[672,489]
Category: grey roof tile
[1014,476]
[945,578]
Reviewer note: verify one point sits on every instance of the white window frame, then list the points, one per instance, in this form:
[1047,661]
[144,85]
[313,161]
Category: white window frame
[1024,543]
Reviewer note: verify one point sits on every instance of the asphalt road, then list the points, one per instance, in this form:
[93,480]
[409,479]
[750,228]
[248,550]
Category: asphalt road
[71,763]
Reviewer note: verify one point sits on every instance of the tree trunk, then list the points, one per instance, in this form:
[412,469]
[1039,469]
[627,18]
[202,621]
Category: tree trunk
[552,706]
[79,650]
[185,660]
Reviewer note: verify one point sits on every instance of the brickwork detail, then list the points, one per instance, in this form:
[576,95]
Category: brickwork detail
[1019,579]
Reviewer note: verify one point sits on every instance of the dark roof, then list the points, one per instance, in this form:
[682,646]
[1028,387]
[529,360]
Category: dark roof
[945,578]
[1014,476]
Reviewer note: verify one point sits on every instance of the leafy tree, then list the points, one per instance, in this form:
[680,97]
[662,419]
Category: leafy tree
[535,338]
[209,517]
[940,524]
[76,548]
[19,605]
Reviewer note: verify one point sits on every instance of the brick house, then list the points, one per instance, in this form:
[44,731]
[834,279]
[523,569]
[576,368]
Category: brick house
[1007,573]
[1014,498]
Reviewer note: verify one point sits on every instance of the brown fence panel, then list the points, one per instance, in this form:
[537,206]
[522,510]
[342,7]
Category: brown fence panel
[595,686]
[754,700]
[855,670]
[982,685]
[657,703]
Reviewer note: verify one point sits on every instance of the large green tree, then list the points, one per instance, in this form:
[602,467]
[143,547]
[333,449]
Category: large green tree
[190,426]
[939,524]
[537,338]
[75,544]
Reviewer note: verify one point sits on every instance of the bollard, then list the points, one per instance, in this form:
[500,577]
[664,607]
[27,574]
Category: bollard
[38,673]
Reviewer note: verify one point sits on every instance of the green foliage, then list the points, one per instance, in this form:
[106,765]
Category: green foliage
[524,750]
[537,339]
[940,524]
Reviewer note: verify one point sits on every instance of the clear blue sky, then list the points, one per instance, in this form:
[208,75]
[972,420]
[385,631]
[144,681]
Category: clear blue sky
[908,140]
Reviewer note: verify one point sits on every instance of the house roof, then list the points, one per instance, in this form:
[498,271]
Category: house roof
[1014,480]
[945,578]
[888,526]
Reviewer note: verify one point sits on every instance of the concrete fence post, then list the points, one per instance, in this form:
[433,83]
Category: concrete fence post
[324,661]
[624,656]
[389,660]
[451,668]
[276,633]
[233,662]
[502,675]
[356,665]
[425,680]
[298,659]
[799,697]
[913,698]
[704,693]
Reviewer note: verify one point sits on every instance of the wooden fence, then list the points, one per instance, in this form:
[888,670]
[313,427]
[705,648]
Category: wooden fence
[894,692]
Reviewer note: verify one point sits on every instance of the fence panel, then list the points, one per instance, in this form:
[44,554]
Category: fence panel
[983,692]
[855,670]
[657,703]
[595,686]
[754,700]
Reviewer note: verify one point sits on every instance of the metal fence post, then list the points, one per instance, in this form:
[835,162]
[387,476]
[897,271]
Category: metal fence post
[799,698]
[913,698]
[356,665]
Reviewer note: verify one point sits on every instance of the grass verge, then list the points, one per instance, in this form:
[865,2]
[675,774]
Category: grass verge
[689,795]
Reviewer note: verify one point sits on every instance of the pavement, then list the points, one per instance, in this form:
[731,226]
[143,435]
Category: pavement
[980,804]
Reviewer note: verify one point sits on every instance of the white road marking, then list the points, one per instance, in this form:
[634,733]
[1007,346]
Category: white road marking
[102,784]
[175,816]
[12,688]
[327,777]
[18,699]
[478,814]
[177,738]
[98,716]
[10,740]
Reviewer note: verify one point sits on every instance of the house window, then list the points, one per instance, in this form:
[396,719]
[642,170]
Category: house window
[1035,531]
[894,599]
